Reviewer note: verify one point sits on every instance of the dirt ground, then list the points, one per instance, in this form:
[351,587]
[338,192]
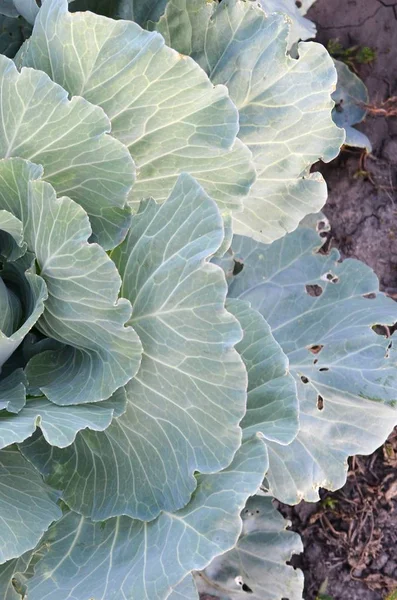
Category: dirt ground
[350,537]
[361,207]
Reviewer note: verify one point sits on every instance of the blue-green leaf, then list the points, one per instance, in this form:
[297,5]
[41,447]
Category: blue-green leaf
[257,567]
[13,392]
[82,309]
[32,292]
[140,11]
[27,505]
[284,104]
[350,98]
[7,8]
[322,313]
[12,245]
[272,404]
[28,9]
[125,559]
[300,28]
[13,33]
[11,580]
[185,590]
[185,404]
[59,424]
[69,138]
[161,105]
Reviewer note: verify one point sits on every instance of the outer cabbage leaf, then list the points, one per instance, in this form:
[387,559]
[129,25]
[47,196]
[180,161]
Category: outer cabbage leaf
[59,424]
[272,404]
[125,559]
[284,104]
[82,308]
[299,27]
[346,376]
[161,104]
[185,404]
[350,97]
[258,562]
[27,505]
[68,137]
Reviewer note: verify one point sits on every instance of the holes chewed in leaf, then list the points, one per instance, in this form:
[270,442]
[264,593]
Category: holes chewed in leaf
[304,379]
[314,289]
[330,277]
[339,106]
[320,402]
[238,267]
[323,227]
[316,348]
[384,330]
[244,586]
[370,296]
[298,4]
[324,369]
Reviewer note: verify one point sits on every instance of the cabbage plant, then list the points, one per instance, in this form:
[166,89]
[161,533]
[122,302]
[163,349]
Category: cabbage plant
[175,349]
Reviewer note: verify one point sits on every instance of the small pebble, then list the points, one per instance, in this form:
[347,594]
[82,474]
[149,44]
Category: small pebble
[390,150]
[379,562]
[390,567]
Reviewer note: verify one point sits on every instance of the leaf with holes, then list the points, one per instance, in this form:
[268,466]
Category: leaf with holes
[300,27]
[128,559]
[350,98]
[322,313]
[257,567]
[152,372]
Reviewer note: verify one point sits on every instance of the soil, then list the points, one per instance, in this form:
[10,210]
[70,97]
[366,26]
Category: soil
[361,203]
[350,537]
